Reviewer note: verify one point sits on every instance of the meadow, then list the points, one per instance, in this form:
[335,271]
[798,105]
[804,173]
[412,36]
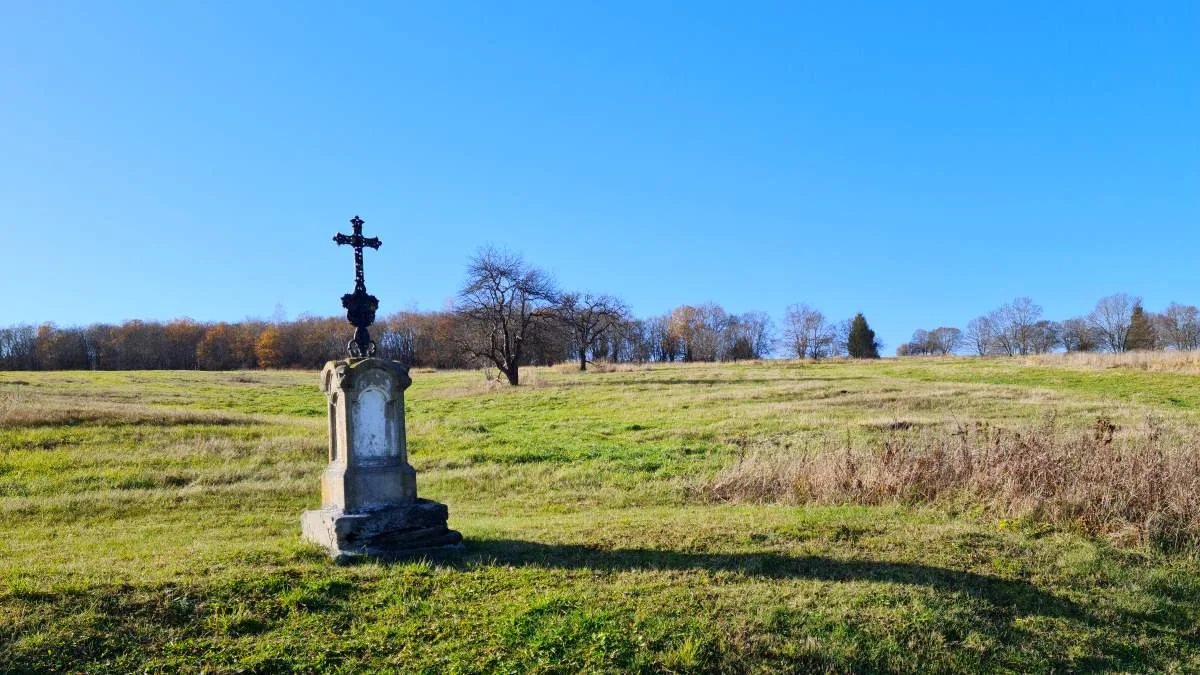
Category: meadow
[925,514]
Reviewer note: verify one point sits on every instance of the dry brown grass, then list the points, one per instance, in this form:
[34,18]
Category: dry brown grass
[1168,361]
[603,366]
[19,411]
[1134,485]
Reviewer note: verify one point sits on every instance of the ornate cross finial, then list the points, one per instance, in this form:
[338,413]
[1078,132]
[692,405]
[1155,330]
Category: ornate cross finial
[360,306]
[358,241]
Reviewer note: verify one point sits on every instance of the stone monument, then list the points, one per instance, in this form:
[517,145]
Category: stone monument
[369,503]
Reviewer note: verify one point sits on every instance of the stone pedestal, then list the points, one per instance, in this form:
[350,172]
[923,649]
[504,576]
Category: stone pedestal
[369,503]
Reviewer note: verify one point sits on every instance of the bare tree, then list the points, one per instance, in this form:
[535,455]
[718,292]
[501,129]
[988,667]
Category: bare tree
[806,334]
[1078,335]
[919,344]
[698,330]
[745,336]
[1179,326]
[755,331]
[945,340]
[839,338]
[633,341]
[665,345]
[942,340]
[1004,339]
[503,303]
[1111,319]
[1023,317]
[1015,327]
[1044,336]
[707,341]
[589,320]
[981,335]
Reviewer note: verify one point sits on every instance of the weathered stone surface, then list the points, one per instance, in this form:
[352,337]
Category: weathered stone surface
[392,532]
[368,453]
[369,503]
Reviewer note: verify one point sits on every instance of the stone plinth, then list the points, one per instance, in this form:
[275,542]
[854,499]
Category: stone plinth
[369,503]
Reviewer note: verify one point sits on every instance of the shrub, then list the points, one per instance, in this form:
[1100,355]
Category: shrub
[1143,484]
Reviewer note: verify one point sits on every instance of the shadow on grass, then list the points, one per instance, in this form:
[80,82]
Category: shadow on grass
[1014,596]
[995,604]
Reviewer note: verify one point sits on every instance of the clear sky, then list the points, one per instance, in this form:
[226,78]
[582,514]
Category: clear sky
[922,163]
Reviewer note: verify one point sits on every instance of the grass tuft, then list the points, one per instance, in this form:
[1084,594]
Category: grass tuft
[1101,481]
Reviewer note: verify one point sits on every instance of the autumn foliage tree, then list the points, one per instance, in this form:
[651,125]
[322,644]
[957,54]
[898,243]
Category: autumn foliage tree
[269,349]
[182,337]
[226,347]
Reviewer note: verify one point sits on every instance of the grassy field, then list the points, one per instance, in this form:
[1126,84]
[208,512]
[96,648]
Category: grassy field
[150,521]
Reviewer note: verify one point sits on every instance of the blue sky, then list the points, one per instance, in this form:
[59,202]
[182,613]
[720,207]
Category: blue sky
[921,163]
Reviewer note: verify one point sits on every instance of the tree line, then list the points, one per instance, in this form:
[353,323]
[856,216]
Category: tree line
[1118,323]
[508,314]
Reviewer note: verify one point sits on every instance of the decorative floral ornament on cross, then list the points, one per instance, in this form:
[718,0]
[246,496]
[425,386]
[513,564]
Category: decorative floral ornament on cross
[360,305]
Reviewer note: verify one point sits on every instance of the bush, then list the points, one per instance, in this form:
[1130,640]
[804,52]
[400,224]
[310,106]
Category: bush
[1142,485]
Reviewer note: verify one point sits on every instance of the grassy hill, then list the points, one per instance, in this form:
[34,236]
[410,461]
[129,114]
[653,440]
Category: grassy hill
[684,518]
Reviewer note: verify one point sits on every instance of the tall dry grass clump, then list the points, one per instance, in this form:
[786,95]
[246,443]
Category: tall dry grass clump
[1164,361]
[1141,485]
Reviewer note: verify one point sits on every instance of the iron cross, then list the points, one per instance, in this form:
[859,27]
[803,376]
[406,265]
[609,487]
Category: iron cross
[358,241]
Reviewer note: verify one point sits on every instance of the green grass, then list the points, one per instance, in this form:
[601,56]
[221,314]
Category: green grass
[150,520]
[1178,391]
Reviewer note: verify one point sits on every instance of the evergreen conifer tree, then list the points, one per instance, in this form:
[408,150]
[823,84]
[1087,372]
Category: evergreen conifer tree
[1141,334]
[862,343]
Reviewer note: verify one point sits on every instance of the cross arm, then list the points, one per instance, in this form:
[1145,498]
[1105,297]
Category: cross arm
[357,240]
